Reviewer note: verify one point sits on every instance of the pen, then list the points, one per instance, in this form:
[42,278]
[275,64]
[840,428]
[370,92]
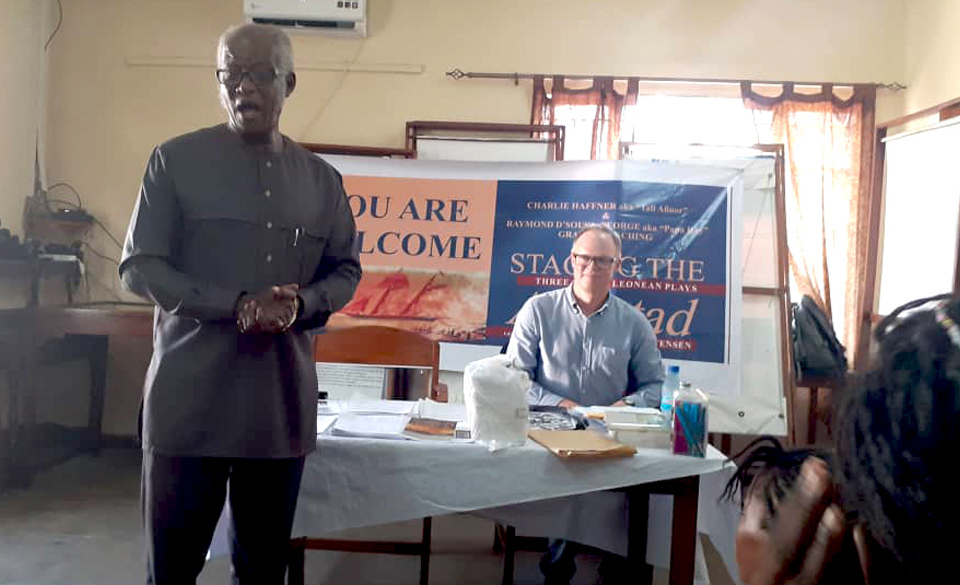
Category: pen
[692,440]
[296,236]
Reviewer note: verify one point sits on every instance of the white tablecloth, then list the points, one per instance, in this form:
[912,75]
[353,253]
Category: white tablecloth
[352,483]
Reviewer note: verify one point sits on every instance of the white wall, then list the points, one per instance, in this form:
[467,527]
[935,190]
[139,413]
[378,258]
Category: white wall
[932,56]
[21,45]
[21,51]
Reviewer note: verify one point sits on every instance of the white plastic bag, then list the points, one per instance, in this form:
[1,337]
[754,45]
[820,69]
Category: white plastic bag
[495,393]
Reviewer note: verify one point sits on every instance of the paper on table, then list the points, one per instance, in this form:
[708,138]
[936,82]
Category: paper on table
[324,422]
[442,410]
[382,426]
[635,414]
[328,407]
[377,406]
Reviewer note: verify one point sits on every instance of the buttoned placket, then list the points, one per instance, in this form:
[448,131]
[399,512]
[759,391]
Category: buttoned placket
[270,264]
[587,357]
[583,321]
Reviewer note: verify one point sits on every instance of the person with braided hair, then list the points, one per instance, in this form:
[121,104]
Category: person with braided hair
[887,488]
[897,445]
[767,475]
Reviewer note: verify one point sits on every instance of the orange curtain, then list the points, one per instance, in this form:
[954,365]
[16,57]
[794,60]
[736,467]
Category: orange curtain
[828,145]
[606,95]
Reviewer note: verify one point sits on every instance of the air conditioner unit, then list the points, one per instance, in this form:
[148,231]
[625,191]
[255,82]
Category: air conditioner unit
[347,18]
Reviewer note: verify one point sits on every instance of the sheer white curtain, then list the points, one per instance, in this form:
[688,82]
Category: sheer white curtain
[828,139]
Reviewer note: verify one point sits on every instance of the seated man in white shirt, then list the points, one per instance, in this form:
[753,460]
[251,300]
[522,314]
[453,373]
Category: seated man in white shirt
[582,345]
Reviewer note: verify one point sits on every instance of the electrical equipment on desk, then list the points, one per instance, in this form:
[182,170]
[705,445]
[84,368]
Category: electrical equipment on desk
[11,248]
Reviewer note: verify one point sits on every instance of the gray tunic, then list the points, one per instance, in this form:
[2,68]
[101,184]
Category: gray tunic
[216,218]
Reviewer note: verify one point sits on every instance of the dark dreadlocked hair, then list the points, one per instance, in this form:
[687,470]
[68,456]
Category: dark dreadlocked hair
[897,442]
[771,471]
[774,470]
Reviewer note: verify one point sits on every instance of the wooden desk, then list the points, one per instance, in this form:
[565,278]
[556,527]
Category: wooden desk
[124,319]
[34,336]
[36,269]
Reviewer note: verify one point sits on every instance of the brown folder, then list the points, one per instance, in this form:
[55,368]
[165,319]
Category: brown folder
[585,443]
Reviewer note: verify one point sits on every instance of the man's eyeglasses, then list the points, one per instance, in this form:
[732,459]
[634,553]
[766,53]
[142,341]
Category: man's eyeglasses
[584,260]
[261,76]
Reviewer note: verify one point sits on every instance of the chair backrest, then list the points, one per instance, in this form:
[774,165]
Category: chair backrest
[379,346]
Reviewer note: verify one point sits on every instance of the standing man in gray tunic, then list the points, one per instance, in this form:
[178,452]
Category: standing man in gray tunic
[244,241]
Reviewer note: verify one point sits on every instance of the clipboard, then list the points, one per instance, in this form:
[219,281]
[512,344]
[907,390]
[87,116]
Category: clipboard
[580,444]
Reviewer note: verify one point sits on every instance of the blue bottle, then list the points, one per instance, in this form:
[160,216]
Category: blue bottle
[668,393]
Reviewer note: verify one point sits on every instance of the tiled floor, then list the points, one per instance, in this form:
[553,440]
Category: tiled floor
[79,524]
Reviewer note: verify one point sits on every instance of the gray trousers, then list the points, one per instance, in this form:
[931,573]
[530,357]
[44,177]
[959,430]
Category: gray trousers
[182,499]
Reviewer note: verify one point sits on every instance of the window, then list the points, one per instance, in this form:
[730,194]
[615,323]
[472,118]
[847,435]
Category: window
[579,122]
[668,119]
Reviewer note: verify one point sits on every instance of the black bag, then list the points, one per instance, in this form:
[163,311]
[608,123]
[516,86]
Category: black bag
[817,352]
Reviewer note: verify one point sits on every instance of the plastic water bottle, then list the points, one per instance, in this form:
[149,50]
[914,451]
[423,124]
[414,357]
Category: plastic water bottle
[690,422]
[669,391]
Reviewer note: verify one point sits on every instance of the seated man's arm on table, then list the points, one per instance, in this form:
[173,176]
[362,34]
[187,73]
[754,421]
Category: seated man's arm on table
[524,350]
[646,365]
[338,273]
[145,267]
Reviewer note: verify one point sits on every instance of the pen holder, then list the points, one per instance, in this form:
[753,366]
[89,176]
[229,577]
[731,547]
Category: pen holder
[690,422]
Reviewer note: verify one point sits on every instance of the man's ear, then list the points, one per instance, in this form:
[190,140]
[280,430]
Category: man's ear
[863,551]
[291,83]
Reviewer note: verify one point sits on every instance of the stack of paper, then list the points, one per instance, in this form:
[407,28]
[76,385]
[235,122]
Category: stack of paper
[389,419]
[620,413]
[365,407]
[442,410]
[324,422]
[328,407]
[380,426]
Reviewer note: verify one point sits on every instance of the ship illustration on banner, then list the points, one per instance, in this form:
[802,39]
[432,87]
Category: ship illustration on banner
[441,305]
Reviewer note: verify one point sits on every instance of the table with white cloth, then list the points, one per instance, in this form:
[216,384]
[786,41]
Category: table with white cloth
[356,482]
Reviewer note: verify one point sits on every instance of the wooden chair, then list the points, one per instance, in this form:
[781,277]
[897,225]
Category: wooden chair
[380,346]
[384,346]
